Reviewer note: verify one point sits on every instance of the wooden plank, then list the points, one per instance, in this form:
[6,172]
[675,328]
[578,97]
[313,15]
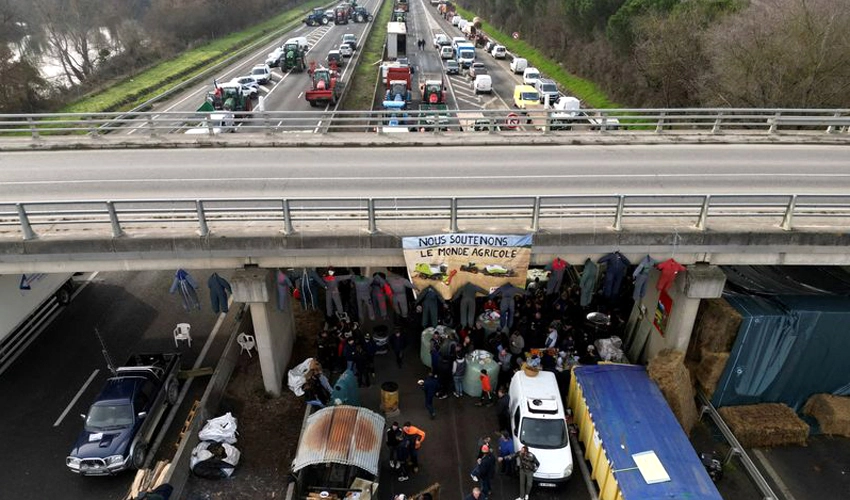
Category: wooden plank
[198,372]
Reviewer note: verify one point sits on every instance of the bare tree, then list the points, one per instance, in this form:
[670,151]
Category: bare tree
[788,53]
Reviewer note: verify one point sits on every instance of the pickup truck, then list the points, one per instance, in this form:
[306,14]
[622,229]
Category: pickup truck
[125,415]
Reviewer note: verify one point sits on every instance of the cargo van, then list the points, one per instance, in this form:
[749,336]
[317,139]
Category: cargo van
[300,40]
[482,84]
[447,52]
[519,64]
[538,421]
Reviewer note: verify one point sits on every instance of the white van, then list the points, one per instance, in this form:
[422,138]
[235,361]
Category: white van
[519,64]
[538,421]
[447,52]
[482,84]
[499,52]
[530,76]
[300,40]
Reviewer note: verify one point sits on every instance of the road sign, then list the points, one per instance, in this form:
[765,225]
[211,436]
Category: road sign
[515,35]
[513,121]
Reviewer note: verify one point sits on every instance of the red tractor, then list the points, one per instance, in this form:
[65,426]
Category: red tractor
[325,86]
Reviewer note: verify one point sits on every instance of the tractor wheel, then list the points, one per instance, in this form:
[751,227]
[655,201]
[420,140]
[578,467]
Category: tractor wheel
[359,18]
[313,104]
[371,17]
[325,20]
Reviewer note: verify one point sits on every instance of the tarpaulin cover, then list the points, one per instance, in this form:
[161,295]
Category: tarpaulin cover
[788,348]
[631,416]
[787,280]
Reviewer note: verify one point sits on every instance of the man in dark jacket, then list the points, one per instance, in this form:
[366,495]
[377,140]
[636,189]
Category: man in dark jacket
[430,386]
[398,344]
[503,410]
[486,470]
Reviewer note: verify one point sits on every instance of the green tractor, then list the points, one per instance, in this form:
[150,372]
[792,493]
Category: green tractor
[293,58]
[227,97]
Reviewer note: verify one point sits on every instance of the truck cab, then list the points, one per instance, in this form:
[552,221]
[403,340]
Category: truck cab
[121,421]
[465,53]
[525,97]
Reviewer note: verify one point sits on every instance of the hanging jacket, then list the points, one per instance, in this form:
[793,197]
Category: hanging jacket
[507,291]
[468,292]
[284,288]
[308,285]
[588,282]
[616,266]
[219,290]
[641,275]
[557,268]
[188,288]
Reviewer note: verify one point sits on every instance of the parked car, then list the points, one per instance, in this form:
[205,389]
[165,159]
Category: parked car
[519,64]
[346,50]
[477,68]
[249,84]
[262,73]
[273,59]
[546,87]
[530,76]
[447,52]
[335,57]
[452,67]
[499,52]
[482,84]
[441,40]
[351,39]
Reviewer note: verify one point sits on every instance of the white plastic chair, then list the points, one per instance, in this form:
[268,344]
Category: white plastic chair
[247,343]
[182,332]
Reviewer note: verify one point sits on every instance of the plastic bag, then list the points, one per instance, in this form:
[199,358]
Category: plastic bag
[214,460]
[298,375]
[220,429]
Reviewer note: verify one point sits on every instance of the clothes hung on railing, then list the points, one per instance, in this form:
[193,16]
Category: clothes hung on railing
[188,288]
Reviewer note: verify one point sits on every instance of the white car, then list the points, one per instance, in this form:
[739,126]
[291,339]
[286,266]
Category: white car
[499,52]
[345,50]
[350,38]
[262,73]
[273,59]
[249,84]
[482,84]
[530,76]
[456,20]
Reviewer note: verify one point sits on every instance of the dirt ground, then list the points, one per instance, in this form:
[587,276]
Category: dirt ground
[268,427]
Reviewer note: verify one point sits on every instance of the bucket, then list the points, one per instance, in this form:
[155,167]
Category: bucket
[389,398]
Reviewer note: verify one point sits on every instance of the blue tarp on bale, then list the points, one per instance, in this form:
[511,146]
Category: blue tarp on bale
[631,416]
[787,348]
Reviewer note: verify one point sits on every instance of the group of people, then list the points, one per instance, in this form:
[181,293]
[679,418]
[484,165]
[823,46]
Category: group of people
[520,463]
[344,346]
[420,44]
[404,443]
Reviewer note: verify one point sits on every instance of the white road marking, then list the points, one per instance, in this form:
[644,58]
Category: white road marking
[301,94]
[773,475]
[76,398]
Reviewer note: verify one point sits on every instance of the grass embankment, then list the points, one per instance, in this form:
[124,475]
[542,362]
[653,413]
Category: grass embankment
[587,91]
[136,89]
[364,79]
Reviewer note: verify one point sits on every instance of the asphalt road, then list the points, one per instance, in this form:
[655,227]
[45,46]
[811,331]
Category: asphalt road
[322,172]
[40,420]
[286,90]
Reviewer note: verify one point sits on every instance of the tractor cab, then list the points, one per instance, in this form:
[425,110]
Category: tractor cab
[434,92]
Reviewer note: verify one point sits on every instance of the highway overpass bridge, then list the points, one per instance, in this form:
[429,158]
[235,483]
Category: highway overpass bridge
[109,209]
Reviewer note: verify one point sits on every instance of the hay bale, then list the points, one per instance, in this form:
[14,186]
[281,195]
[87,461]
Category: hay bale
[715,328]
[831,412]
[709,370]
[766,424]
[668,370]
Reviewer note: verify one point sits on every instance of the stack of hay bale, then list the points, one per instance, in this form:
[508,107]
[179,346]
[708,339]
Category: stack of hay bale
[831,412]
[668,370]
[765,424]
[714,334]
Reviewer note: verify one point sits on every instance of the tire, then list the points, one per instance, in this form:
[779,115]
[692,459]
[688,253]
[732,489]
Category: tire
[359,18]
[172,392]
[138,455]
[325,21]
[370,17]
[63,295]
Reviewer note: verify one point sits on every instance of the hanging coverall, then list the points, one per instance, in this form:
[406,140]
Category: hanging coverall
[398,285]
[588,282]
[380,297]
[669,270]
[507,306]
[188,288]
[308,288]
[616,269]
[284,288]
[219,289]
[466,294]
[331,285]
[430,299]
[363,292]
[556,277]
[641,276]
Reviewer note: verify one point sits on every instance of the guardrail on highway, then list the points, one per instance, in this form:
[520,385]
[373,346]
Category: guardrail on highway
[777,211]
[612,121]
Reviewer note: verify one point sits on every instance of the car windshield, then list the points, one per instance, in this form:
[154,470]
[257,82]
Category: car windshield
[451,64]
[532,76]
[549,87]
[109,417]
[530,96]
[543,433]
[258,71]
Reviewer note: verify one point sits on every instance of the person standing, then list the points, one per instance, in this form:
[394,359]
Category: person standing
[503,410]
[397,344]
[458,372]
[430,386]
[486,470]
[528,465]
[416,436]
[475,495]
[394,438]
[506,454]
[486,390]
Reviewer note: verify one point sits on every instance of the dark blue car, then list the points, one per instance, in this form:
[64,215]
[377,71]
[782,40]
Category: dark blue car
[124,416]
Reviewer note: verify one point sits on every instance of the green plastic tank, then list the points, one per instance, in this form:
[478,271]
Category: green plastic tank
[475,362]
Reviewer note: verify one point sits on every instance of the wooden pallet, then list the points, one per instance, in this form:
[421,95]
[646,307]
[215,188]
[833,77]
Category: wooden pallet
[148,479]
[188,423]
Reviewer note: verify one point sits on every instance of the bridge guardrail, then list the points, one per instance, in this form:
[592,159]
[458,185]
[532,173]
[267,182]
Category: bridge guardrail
[618,211]
[603,121]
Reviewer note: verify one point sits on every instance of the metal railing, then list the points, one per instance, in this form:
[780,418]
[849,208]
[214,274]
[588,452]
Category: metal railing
[603,121]
[763,212]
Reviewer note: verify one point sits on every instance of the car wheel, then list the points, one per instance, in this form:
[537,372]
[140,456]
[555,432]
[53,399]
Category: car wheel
[63,295]
[172,392]
[139,453]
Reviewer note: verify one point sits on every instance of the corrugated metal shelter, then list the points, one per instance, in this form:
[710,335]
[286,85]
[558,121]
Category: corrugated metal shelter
[346,435]
[623,418]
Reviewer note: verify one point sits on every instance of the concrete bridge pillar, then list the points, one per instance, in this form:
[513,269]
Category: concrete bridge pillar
[674,315]
[274,330]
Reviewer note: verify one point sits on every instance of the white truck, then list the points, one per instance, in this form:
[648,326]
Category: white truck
[28,303]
